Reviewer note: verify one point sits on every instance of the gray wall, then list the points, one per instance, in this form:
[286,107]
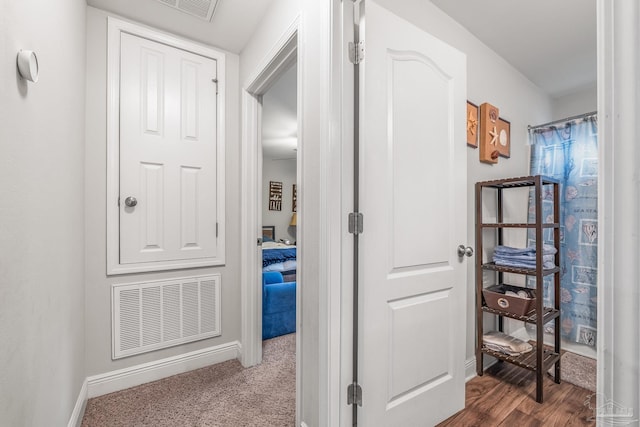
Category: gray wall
[580,102]
[98,301]
[489,79]
[283,171]
[42,359]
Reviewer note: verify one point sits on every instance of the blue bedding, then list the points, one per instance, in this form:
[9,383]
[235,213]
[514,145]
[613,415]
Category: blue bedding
[276,255]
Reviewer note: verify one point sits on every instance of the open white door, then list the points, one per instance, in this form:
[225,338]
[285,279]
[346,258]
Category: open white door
[413,199]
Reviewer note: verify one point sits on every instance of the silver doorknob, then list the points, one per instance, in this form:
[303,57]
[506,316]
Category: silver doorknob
[465,251]
[130,201]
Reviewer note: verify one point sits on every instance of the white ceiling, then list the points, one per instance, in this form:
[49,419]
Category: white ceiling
[230,28]
[279,118]
[551,42]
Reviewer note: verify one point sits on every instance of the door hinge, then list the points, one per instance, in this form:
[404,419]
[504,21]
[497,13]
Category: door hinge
[216,82]
[355,223]
[216,229]
[356,52]
[354,394]
[118,201]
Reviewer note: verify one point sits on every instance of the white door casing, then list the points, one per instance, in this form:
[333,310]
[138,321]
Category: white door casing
[284,52]
[166,150]
[413,198]
[281,56]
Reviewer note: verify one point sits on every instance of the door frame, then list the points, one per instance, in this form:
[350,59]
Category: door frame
[618,374]
[322,224]
[115,27]
[282,55]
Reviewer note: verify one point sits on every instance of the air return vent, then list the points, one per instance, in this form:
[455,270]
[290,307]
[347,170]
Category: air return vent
[202,9]
[153,315]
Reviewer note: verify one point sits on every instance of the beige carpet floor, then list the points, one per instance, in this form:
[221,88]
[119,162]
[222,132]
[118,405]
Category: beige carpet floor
[221,395]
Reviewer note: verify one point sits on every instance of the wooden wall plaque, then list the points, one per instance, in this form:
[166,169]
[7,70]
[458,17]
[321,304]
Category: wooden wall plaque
[472,125]
[489,133]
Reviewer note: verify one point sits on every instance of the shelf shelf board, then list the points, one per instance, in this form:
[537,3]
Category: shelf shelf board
[527,360]
[527,271]
[530,317]
[519,225]
[523,181]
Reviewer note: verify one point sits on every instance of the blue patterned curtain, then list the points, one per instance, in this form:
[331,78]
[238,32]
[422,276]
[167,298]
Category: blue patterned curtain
[569,153]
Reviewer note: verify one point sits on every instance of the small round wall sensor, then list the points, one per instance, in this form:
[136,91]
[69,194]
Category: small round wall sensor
[28,65]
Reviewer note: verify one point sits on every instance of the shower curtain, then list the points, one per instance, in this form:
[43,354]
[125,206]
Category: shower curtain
[569,153]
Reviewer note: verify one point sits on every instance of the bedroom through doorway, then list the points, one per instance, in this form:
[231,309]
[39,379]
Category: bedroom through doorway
[270,205]
[279,133]
[271,101]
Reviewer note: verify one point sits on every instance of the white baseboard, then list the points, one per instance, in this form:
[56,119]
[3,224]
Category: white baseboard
[78,411]
[470,369]
[156,370]
[470,366]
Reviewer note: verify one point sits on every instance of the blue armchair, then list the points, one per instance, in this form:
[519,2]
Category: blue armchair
[278,305]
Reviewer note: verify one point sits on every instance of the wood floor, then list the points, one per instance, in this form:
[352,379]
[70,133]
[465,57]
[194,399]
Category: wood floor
[505,396]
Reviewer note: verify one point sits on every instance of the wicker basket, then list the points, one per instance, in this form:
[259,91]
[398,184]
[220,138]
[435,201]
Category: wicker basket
[494,297]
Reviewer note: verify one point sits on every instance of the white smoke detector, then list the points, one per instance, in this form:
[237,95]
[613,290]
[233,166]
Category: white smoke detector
[202,9]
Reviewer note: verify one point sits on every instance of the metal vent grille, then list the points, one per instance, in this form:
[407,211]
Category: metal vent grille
[129,319]
[153,315]
[202,9]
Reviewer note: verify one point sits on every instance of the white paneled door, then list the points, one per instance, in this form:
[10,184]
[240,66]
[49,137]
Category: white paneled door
[167,153]
[413,198]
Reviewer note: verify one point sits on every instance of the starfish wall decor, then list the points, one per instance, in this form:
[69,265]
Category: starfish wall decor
[472,125]
[489,133]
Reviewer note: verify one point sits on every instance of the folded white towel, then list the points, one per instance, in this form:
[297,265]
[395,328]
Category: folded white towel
[499,341]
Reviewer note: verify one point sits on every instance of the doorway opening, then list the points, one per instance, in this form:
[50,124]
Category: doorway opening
[279,206]
[281,151]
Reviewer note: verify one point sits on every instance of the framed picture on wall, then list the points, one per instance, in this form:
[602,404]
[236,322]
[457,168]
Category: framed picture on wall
[275,195]
[504,138]
[269,231]
[294,202]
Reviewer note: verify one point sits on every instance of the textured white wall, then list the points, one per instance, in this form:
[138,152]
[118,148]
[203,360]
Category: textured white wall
[98,301]
[489,79]
[42,360]
[278,18]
